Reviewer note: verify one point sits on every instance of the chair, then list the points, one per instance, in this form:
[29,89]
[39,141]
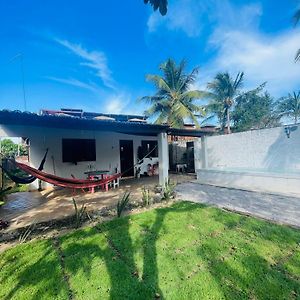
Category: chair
[115,183]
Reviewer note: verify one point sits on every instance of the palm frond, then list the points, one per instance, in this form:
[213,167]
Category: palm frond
[297,56]
[296,17]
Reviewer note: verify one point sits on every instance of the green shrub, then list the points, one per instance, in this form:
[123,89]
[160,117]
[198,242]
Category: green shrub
[122,203]
[168,190]
[79,215]
[146,196]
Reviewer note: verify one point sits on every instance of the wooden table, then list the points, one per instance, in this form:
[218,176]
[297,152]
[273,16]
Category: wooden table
[92,174]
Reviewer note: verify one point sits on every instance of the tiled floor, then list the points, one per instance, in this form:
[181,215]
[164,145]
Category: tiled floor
[26,208]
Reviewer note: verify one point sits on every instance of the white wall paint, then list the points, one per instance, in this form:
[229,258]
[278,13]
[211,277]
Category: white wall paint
[265,160]
[267,150]
[107,148]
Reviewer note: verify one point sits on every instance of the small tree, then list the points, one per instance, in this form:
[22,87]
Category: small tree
[254,110]
[290,106]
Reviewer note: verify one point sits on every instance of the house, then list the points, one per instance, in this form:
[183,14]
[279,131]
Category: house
[80,141]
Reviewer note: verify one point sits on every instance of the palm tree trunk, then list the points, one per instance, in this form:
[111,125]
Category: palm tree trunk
[228,121]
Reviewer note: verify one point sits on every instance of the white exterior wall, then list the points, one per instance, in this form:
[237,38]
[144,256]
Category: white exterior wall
[107,148]
[265,160]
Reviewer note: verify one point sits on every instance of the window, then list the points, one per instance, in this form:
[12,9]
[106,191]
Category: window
[75,150]
[149,149]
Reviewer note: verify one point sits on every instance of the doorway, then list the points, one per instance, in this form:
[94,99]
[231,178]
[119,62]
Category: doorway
[126,158]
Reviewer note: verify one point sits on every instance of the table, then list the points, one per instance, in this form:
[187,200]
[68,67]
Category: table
[92,174]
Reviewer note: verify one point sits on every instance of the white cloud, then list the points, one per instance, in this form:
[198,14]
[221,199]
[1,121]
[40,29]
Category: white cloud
[241,46]
[77,83]
[184,15]
[121,103]
[262,58]
[116,103]
[95,60]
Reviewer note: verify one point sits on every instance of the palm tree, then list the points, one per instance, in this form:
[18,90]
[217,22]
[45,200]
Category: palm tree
[223,91]
[174,101]
[162,5]
[290,106]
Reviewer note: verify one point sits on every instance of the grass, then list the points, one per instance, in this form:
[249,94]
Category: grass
[186,251]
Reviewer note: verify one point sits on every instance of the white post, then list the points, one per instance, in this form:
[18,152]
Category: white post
[204,152]
[163,156]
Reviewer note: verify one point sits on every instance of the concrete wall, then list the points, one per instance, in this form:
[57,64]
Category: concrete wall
[264,160]
[107,148]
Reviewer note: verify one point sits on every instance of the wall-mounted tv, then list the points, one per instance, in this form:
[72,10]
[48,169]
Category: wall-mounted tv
[75,150]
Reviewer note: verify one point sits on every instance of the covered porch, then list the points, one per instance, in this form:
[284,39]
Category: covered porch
[78,145]
[26,208]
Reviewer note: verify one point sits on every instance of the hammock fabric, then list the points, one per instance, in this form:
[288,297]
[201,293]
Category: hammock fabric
[22,179]
[66,182]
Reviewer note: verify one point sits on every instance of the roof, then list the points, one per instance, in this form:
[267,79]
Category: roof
[91,115]
[63,120]
[67,121]
[188,132]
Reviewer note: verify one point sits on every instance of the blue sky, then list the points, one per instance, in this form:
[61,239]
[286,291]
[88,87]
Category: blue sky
[95,54]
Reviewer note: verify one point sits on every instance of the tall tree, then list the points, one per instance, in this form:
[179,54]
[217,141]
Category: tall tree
[174,102]
[162,5]
[223,91]
[254,110]
[290,106]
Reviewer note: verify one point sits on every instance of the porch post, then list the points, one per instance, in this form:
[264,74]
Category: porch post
[163,156]
[204,152]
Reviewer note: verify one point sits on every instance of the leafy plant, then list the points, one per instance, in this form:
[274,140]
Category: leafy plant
[168,190]
[122,203]
[24,235]
[146,196]
[79,214]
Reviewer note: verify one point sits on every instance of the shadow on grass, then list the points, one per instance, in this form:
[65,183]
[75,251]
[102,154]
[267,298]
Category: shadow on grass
[119,259]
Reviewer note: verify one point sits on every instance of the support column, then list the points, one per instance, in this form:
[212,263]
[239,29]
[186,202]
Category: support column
[163,156]
[204,152]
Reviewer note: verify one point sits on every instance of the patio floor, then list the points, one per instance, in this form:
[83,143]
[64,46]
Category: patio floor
[25,208]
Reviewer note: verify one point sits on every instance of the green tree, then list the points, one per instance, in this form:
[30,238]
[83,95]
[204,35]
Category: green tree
[254,110]
[174,102]
[290,106]
[9,148]
[222,94]
[162,5]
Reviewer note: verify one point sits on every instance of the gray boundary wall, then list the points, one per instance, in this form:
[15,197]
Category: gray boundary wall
[265,160]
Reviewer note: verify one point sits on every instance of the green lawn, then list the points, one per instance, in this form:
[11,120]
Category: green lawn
[186,251]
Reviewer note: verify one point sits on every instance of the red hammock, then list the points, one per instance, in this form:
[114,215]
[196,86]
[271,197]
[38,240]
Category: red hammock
[66,182]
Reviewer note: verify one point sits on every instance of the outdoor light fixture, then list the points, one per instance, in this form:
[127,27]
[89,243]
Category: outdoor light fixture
[289,129]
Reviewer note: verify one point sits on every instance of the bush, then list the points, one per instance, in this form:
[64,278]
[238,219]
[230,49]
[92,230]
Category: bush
[168,190]
[79,215]
[122,203]
[146,197]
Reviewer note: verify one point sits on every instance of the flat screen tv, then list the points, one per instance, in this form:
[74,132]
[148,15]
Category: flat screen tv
[75,150]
